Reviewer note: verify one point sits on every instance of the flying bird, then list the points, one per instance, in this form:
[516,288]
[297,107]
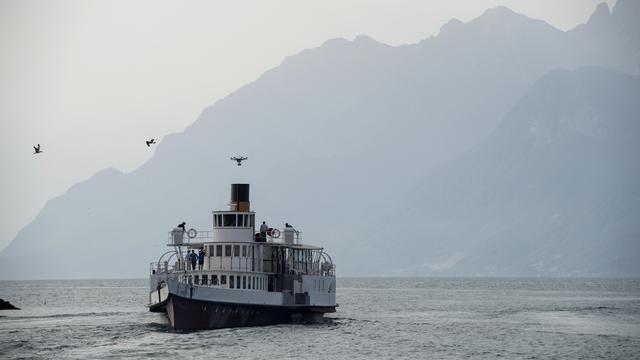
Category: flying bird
[239,159]
[150,142]
[37,149]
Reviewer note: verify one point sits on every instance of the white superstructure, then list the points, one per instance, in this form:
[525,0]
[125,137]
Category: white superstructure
[270,273]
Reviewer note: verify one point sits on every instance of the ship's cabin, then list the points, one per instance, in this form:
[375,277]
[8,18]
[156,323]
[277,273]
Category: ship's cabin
[233,219]
[233,226]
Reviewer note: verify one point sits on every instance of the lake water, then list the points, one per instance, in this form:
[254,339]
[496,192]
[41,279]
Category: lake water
[378,318]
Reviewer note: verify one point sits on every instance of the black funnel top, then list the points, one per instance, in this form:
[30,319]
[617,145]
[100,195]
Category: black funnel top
[239,192]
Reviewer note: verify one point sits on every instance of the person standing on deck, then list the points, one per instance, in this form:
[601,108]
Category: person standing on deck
[263,231]
[201,255]
[194,258]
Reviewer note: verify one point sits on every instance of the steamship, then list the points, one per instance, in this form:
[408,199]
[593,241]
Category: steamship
[247,278]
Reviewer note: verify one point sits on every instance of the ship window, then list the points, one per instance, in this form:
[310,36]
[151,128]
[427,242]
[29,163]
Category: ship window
[253,282]
[214,279]
[223,279]
[251,218]
[244,282]
[238,281]
[219,219]
[196,280]
[205,280]
[227,250]
[236,250]
[241,221]
[230,220]
[244,250]
[231,282]
[219,250]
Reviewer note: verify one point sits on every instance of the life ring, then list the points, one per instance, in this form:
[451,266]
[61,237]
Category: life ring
[274,233]
[192,233]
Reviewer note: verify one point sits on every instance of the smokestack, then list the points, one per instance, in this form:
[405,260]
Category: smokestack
[239,197]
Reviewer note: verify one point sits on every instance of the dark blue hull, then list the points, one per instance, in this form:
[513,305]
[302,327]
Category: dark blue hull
[185,314]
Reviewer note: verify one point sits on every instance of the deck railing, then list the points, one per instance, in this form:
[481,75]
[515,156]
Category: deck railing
[161,267]
[179,237]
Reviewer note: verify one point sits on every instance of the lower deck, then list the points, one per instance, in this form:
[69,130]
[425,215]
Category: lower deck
[282,290]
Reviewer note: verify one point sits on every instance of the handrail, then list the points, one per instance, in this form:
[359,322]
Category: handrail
[161,267]
[207,236]
[202,236]
[163,255]
[280,238]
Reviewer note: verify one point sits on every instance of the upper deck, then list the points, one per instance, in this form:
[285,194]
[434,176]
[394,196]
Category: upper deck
[194,238]
[234,245]
[273,256]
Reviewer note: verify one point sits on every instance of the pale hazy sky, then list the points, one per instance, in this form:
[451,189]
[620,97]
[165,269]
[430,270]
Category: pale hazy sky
[92,80]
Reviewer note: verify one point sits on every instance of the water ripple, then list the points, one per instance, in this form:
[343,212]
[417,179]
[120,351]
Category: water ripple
[378,318]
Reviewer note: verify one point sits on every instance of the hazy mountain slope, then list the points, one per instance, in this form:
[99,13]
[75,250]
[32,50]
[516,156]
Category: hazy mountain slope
[613,36]
[553,191]
[335,135]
